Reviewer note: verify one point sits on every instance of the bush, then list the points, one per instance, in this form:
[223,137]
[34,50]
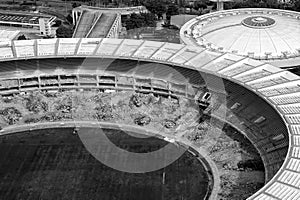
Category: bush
[11,115]
[169,123]
[64,32]
[34,103]
[140,20]
[104,112]
[21,37]
[142,120]
[51,116]
[31,120]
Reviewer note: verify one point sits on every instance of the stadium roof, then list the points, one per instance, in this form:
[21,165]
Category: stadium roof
[260,33]
[280,88]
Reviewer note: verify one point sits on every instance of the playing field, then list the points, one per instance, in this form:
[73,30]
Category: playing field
[54,164]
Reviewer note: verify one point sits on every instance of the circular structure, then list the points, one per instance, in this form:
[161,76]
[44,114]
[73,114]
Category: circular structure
[262,100]
[264,34]
[258,22]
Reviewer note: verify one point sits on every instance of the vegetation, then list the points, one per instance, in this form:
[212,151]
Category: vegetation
[292,5]
[21,37]
[64,32]
[172,10]
[140,20]
[156,7]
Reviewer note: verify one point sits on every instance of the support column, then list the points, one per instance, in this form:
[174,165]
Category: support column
[220,5]
[73,16]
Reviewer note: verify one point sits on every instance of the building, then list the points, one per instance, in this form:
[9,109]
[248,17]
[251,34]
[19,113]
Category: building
[38,22]
[264,34]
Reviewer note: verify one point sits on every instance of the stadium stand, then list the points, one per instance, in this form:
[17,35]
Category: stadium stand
[262,100]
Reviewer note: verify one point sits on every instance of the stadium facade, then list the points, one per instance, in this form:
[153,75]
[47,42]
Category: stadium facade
[262,99]
[270,35]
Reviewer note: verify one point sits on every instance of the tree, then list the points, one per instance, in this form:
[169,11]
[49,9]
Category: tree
[69,19]
[140,20]
[297,5]
[156,7]
[74,5]
[22,37]
[172,10]
[64,32]
[199,5]
[57,23]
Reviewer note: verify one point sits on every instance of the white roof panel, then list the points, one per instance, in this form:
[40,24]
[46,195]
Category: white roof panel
[67,46]
[88,46]
[185,54]
[202,57]
[147,49]
[128,47]
[6,50]
[108,47]
[46,47]
[24,48]
[167,51]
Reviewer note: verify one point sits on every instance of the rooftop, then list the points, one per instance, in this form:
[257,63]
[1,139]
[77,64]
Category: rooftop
[264,34]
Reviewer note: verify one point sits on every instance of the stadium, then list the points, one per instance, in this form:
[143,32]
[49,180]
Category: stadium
[270,35]
[261,100]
